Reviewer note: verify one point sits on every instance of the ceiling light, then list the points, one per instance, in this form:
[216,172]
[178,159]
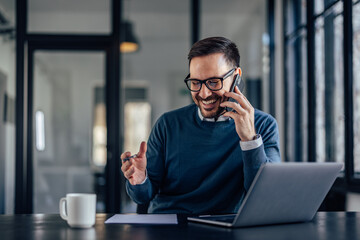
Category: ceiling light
[129,42]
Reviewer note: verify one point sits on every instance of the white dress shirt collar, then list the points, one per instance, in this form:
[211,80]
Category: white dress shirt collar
[220,119]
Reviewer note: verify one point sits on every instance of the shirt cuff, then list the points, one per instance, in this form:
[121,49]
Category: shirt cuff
[250,145]
[146,177]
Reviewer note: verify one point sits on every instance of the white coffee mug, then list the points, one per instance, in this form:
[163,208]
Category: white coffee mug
[78,209]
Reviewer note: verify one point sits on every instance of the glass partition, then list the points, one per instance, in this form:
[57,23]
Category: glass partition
[7,105]
[152,76]
[69,128]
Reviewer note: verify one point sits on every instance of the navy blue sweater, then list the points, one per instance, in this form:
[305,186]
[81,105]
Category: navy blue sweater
[198,167]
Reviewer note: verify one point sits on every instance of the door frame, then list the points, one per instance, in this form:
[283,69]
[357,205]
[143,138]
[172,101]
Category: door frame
[26,45]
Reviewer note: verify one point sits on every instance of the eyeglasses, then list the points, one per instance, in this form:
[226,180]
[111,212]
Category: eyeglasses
[213,83]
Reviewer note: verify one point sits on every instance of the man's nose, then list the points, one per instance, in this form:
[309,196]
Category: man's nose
[205,92]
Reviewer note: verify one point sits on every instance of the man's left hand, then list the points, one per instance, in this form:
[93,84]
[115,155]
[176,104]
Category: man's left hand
[243,115]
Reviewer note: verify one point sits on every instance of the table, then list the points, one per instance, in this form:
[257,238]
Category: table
[325,225]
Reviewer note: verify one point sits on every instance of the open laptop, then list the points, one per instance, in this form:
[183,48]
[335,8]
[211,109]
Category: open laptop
[281,193]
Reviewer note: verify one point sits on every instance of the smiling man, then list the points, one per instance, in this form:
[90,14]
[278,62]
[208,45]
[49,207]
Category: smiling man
[202,158]
[209,98]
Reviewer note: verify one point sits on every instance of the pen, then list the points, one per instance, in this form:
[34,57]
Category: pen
[128,158]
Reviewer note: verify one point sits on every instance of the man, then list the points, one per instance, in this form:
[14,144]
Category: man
[201,159]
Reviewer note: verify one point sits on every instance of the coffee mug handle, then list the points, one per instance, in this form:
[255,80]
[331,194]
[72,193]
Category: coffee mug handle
[62,208]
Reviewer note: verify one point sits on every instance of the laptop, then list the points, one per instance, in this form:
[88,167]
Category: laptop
[281,193]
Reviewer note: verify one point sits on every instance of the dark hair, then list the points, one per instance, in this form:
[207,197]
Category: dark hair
[216,45]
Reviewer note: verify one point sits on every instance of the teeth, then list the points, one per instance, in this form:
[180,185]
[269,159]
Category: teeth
[209,102]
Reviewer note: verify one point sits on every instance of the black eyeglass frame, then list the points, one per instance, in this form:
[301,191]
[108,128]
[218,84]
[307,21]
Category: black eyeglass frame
[228,74]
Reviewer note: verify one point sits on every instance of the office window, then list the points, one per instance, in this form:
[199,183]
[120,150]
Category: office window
[321,5]
[326,35]
[295,82]
[67,16]
[356,85]
[296,97]
[329,74]
[295,16]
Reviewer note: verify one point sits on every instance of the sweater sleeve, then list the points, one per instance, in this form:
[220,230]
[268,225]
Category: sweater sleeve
[144,193]
[269,151]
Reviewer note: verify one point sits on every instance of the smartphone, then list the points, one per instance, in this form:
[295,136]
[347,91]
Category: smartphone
[237,82]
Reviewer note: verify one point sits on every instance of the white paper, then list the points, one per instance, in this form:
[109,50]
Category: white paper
[143,219]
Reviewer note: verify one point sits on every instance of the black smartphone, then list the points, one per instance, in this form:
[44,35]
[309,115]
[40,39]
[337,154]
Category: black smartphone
[237,82]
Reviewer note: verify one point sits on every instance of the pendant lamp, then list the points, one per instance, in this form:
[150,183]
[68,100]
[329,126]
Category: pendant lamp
[129,42]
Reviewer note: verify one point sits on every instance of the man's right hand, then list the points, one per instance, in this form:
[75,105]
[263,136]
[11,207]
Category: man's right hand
[135,169]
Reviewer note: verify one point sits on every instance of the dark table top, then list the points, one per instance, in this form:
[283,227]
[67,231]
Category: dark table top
[325,225]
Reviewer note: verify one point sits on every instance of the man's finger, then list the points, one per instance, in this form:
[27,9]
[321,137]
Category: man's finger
[240,98]
[129,172]
[237,90]
[234,106]
[125,155]
[125,166]
[142,151]
[231,115]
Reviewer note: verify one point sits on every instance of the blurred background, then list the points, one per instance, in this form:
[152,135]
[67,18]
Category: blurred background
[82,81]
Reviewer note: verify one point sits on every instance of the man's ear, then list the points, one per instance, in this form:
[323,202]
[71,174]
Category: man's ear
[238,71]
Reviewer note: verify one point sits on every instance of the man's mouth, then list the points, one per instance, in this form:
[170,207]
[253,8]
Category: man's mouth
[209,104]
[208,101]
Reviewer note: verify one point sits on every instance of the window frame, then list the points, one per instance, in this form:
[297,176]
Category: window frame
[347,180]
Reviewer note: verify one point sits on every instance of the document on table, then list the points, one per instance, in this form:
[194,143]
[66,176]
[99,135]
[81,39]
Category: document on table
[143,219]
